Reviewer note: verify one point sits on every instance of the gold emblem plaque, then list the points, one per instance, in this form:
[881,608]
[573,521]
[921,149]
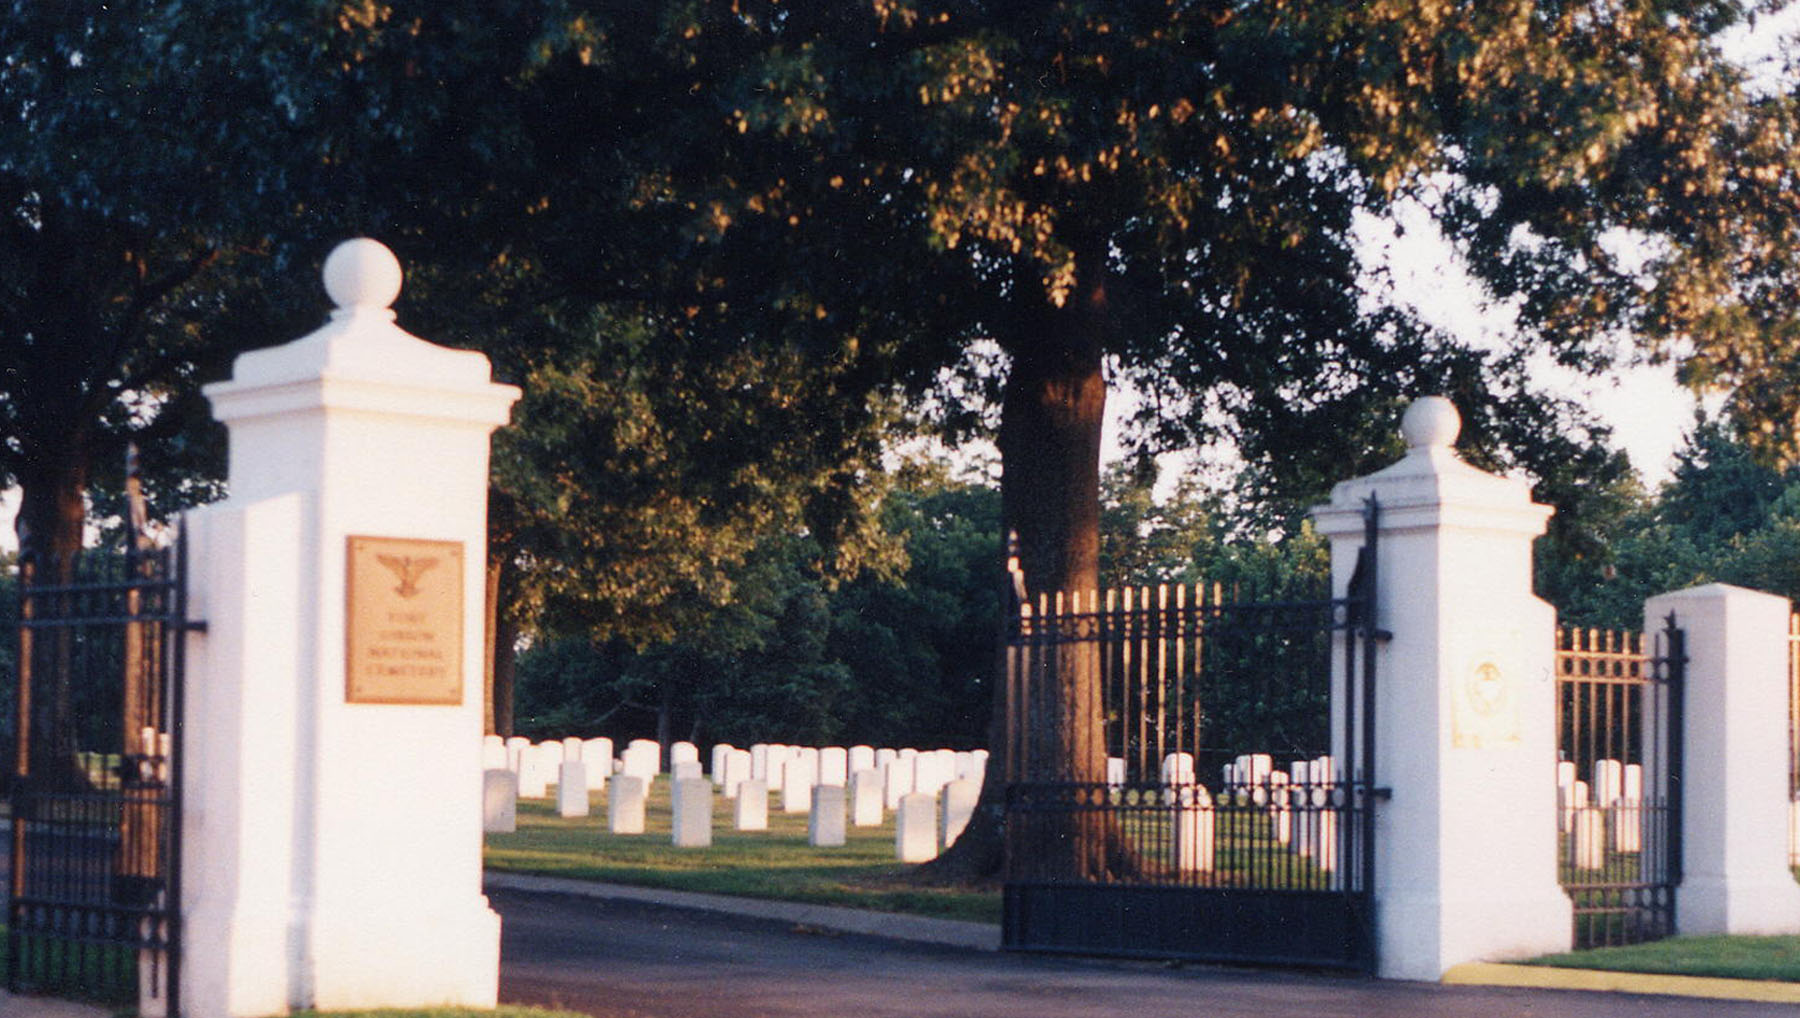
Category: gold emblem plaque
[404,629]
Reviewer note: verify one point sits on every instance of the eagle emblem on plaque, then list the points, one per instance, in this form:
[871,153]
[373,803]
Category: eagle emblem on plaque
[407,570]
[1484,712]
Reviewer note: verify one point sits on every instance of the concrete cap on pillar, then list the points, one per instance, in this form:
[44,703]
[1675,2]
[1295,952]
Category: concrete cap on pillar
[360,358]
[1433,479]
[1431,422]
[362,275]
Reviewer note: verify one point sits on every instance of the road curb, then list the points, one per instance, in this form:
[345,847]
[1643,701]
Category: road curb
[1545,977]
[894,926]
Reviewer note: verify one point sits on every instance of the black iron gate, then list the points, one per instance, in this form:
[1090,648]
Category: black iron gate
[1232,819]
[94,880]
[1619,742]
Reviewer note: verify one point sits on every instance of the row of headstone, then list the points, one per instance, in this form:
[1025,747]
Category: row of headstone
[925,825]
[538,764]
[1177,769]
[1606,814]
[807,781]
[794,771]
[1297,803]
[833,765]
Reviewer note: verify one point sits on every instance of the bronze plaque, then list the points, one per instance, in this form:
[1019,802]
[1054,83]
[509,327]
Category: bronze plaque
[404,624]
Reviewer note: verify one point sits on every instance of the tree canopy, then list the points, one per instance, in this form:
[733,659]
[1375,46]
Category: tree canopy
[726,241]
[1164,192]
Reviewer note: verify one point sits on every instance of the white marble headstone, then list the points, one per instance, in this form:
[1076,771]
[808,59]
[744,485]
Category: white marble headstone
[956,804]
[825,823]
[625,805]
[691,824]
[499,801]
[834,766]
[750,810]
[865,798]
[861,758]
[571,789]
[915,828]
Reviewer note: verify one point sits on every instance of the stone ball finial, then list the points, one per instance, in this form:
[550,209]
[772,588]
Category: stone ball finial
[1430,421]
[362,274]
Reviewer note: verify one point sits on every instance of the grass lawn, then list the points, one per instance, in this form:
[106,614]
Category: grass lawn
[1727,957]
[776,864]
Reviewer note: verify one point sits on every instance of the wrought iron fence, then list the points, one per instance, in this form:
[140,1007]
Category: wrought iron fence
[1618,808]
[1286,837]
[1217,741]
[94,842]
[1208,800]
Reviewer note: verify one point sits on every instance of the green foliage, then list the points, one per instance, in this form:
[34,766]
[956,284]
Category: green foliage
[170,180]
[920,651]
[637,483]
[1144,541]
[103,974]
[1199,536]
[1176,188]
[1722,517]
[786,655]
[1719,490]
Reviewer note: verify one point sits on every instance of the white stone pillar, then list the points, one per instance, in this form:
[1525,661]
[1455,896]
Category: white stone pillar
[1465,864]
[1735,762]
[335,847]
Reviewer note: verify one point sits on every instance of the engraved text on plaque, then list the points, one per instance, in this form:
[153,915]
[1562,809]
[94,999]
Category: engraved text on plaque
[404,622]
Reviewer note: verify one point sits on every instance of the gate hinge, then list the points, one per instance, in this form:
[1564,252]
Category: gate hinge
[192,626]
[1384,794]
[1378,635]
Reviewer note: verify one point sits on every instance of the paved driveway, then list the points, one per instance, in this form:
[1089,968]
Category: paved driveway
[614,959]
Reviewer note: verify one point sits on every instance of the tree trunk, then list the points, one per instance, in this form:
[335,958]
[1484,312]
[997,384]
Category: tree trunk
[1050,431]
[503,622]
[52,505]
[1050,497]
[506,654]
[52,515]
[665,719]
[491,615]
